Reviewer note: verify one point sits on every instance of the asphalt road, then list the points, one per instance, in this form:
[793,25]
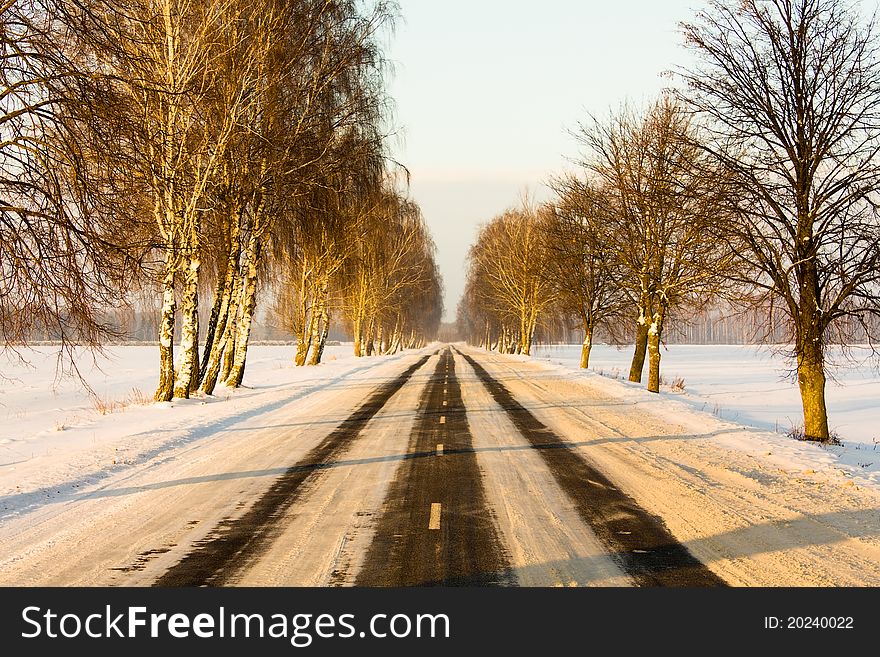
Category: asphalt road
[436,526]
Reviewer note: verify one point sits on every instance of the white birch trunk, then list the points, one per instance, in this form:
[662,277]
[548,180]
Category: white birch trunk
[358,335]
[586,347]
[165,390]
[395,338]
[306,317]
[248,304]
[304,341]
[655,332]
[188,372]
[318,352]
[217,335]
[370,336]
[318,317]
[220,362]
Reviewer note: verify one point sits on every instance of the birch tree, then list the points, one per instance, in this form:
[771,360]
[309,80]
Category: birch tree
[314,256]
[163,57]
[61,260]
[392,261]
[323,82]
[511,264]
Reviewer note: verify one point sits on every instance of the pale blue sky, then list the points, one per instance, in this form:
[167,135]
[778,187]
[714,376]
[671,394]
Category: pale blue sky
[486,90]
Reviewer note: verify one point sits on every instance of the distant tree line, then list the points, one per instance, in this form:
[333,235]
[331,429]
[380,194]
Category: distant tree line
[214,155]
[753,185]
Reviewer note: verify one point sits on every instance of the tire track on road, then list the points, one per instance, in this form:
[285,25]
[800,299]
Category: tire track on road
[237,542]
[436,528]
[636,539]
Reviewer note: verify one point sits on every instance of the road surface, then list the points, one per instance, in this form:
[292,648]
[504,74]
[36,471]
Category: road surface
[450,467]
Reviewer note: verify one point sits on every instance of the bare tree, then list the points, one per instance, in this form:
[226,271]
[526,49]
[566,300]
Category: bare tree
[582,268]
[314,257]
[509,277]
[664,200]
[164,59]
[61,260]
[393,261]
[327,84]
[790,93]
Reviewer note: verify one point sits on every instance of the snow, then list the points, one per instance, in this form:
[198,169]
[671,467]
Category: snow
[750,385]
[758,508]
[54,434]
[53,430]
[548,542]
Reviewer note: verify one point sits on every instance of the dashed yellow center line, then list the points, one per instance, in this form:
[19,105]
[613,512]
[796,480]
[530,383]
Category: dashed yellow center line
[439,449]
[434,521]
[442,419]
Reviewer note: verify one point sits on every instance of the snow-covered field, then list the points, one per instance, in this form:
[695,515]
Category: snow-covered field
[750,385]
[53,430]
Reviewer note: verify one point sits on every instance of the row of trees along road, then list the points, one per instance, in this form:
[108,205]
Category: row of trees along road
[217,152]
[753,182]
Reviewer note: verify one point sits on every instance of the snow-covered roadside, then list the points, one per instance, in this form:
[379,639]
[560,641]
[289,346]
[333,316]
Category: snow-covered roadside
[756,519]
[53,435]
[727,387]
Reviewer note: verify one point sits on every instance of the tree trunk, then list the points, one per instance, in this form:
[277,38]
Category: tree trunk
[188,372]
[220,312]
[229,350]
[529,337]
[303,325]
[220,348]
[811,381]
[394,339]
[221,357]
[304,341]
[213,356]
[211,332]
[358,337]
[655,334]
[370,336]
[587,347]
[319,320]
[249,302]
[325,331]
[638,361]
[165,391]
